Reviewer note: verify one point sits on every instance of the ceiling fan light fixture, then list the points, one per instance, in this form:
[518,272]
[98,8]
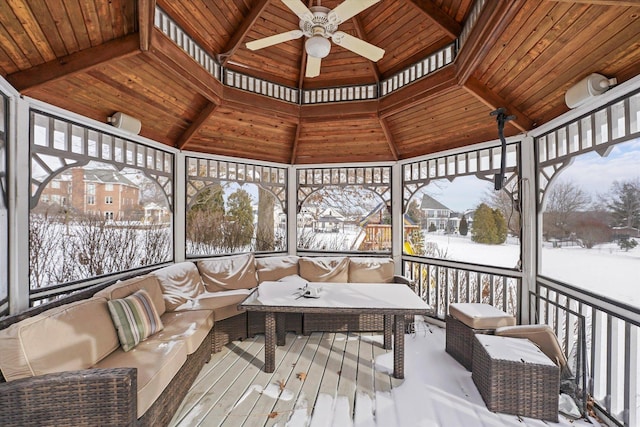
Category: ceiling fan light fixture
[317,46]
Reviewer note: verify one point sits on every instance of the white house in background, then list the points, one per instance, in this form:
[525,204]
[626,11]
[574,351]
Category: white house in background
[329,221]
[436,213]
[155,213]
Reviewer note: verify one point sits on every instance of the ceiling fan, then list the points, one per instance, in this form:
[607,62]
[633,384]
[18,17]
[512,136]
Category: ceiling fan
[319,24]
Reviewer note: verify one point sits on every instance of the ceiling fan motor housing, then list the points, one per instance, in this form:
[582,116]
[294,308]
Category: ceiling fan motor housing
[320,24]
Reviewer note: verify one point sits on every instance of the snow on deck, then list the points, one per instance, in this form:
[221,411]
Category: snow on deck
[341,380]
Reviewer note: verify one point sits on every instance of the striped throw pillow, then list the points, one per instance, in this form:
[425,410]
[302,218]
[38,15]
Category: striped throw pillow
[135,318]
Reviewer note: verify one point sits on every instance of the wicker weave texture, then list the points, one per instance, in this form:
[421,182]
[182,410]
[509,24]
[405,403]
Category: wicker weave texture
[314,322]
[459,341]
[227,330]
[525,389]
[255,323]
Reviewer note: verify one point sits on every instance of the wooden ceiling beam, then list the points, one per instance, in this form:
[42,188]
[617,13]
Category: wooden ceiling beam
[363,36]
[268,107]
[418,92]
[494,101]
[446,23]
[183,67]
[196,125]
[494,18]
[622,3]
[339,111]
[146,13]
[296,140]
[241,32]
[74,63]
[389,137]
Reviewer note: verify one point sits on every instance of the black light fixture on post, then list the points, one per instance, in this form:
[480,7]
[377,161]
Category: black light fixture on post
[501,118]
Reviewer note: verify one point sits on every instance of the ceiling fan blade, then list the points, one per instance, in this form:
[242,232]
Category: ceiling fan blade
[356,45]
[348,9]
[313,66]
[299,9]
[271,40]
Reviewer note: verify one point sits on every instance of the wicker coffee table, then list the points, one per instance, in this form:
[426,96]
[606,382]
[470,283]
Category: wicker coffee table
[394,301]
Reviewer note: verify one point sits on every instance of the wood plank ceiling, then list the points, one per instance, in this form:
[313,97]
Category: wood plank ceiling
[96,57]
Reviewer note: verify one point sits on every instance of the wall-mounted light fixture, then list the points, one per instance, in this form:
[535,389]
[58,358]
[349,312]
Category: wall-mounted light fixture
[592,85]
[125,122]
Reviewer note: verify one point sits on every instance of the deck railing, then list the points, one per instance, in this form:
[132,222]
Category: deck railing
[612,348]
[441,283]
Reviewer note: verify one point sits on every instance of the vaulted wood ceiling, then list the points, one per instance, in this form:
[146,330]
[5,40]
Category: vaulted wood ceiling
[96,57]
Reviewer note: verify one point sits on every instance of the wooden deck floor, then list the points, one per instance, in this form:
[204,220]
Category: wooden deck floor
[331,380]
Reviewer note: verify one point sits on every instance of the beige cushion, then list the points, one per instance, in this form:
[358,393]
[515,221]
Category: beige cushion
[371,270]
[481,316]
[127,287]
[223,304]
[275,268]
[72,337]
[157,363]
[190,327]
[179,282]
[540,335]
[234,272]
[325,269]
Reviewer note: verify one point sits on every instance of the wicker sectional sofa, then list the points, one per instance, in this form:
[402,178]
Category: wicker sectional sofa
[66,366]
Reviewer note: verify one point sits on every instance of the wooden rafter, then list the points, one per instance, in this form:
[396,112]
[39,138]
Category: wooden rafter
[146,11]
[493,101]
[494,18]
[363,36]
[197,124]
[389,137]
[241,32]
[438,17]
[296,139]
[622,3]
[74,63]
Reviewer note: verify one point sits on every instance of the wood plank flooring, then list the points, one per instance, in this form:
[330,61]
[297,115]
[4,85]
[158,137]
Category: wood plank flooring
[328,379]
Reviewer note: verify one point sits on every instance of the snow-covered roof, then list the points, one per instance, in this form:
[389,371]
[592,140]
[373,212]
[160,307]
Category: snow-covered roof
[429,202]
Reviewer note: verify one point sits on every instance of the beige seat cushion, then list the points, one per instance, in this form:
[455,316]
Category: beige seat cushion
[325,269]
[224,304]
[179,282]
[225,273]
[71,337]
[275,268]
[126,287]
[481,316]
[190,327]
[540,335]
[371,270]
[157,363]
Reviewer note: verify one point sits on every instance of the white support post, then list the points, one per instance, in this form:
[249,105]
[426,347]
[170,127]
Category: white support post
[292,213]
[19,192]
[634,377]
[530,250]
[179,207]
[397,216]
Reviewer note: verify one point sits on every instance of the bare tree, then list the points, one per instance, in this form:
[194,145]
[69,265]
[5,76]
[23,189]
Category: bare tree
[562,200]
[505,201]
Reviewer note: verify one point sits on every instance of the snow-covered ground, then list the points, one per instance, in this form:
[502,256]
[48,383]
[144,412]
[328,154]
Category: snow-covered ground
[441,397]
[605,269]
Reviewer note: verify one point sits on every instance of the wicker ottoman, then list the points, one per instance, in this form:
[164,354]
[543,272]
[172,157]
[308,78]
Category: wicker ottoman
[467,319]
[515,377]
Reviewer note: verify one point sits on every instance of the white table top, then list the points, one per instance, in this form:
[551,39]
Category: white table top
[382,296]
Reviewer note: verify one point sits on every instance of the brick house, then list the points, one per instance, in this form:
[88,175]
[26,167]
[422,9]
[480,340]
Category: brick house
[95,191]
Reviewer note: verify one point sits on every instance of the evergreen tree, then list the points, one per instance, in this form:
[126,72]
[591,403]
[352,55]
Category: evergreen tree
[625,203]
[239,219]
[501,226]
[484,225]
[464,226]
[205,217]
[432,227]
